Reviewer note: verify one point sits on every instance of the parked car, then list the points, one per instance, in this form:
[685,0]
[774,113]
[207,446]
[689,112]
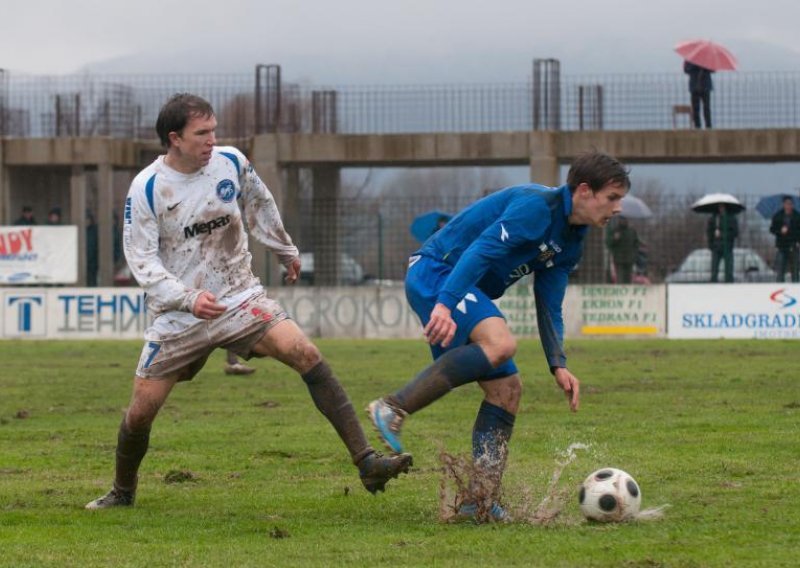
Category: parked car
[350,271]
[748,266]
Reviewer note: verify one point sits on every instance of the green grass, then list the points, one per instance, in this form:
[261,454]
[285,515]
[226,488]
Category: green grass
[710,427]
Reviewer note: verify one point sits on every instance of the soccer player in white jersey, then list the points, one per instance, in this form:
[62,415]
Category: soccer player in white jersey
[185,242]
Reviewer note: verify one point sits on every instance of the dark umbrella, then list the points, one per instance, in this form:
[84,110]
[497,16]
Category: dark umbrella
[710,203]
[771,204]
[428,223]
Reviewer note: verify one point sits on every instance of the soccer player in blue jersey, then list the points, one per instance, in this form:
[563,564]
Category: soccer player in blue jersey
[473,259]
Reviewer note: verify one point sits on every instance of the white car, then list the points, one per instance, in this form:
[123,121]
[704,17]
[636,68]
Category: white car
[350,271]
[748,266]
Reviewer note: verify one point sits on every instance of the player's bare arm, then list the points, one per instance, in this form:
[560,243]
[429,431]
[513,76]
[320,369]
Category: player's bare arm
[441,328]
[206,306]
[570,384]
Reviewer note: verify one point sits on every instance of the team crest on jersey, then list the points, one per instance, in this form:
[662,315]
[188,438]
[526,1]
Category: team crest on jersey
[226,190]
[545,253]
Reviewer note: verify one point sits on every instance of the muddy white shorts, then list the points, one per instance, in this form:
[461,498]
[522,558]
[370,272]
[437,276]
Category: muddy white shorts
[178,344]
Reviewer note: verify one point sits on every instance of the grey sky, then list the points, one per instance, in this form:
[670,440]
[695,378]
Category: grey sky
[409,41]
[361,41]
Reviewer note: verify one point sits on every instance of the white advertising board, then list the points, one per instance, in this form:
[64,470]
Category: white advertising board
[762,311]
[592,310]
[73,313]
[357,312]
[39,255]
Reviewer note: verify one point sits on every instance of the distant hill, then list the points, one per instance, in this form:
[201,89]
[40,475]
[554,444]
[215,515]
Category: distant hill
[484,64]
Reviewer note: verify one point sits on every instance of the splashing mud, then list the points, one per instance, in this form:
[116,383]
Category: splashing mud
[464,482]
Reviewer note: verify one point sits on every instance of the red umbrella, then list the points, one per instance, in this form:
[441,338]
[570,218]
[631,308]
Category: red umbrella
[707,54]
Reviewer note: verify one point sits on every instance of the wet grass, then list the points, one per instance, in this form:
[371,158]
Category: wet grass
[258,478]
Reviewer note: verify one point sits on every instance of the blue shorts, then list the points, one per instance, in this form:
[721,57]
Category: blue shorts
[424,280]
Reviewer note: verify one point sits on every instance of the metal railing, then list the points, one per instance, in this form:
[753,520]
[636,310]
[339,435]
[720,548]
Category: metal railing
[375,233]
[126,106]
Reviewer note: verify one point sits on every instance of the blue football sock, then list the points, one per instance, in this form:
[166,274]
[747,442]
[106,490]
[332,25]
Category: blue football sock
[490,434]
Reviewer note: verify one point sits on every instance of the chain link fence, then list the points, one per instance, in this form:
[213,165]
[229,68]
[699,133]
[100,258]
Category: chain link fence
[126,106]
[374,235]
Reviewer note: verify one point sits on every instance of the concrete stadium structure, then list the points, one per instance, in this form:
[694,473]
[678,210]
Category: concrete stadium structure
[111,163]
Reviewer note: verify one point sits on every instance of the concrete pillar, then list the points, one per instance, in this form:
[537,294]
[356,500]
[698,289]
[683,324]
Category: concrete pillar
[544,161]
[77,200]
[325,221]
[264,158]
[5,189]
[291,204]
[105,231]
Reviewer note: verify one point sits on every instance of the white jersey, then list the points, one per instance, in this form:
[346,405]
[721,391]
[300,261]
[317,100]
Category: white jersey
[185,233]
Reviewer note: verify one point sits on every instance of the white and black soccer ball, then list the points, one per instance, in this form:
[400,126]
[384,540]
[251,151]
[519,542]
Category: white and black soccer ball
[610,495]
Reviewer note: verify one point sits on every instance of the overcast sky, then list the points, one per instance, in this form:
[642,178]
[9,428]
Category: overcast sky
[374,41]
[345,42]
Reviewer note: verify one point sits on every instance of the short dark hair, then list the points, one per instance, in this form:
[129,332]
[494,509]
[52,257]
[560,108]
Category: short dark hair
[788,198]
[177,111]
[597,169]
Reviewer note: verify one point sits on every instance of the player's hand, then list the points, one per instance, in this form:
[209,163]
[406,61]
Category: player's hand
[292,271]
[571,386]
[441,328]
[206,306]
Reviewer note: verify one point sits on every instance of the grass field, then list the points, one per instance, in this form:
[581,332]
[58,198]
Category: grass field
[710,427]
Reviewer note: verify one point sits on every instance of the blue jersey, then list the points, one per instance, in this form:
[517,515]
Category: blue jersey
[505,236]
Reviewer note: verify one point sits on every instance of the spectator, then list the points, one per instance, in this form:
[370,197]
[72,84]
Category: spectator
[92,250]
[54,216]
[27,216]
[117,239]
[623,243]
[234,367]
[786,228]
[721,231]
[700,87]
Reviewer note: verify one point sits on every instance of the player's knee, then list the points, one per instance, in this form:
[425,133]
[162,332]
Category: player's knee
[138,421]
[501,351]
[305,356]
[141,414]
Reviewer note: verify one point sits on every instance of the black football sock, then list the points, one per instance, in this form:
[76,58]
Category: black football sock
[454,368]
[331,400]
[131,448]
[490,436]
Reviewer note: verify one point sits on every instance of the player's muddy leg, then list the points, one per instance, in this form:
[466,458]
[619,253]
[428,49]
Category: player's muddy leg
[287,343]
[493,428]
[455,367]
[134,432]
[133,439]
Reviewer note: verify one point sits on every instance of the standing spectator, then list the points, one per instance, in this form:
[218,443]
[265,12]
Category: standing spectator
[27,216]
[700,87]
[117,239]
[721,231]
[235,367]
[786,228]
[623,243]
[92,250]
[54,216]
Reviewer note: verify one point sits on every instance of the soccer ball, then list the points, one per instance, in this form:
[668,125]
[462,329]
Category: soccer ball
[609,495]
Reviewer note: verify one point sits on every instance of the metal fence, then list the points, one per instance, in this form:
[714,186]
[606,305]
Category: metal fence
[375,235]
[126,106]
